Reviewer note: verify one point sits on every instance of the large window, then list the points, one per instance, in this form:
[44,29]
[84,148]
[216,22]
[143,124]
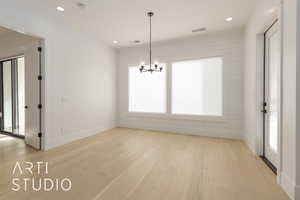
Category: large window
[147,92]
[197,87]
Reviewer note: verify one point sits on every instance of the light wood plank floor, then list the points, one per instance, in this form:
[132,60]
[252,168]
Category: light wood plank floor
[126,164]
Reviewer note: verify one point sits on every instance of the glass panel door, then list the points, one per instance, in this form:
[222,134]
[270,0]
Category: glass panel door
[7,96]
[272,94]
[12,98]
[20,111]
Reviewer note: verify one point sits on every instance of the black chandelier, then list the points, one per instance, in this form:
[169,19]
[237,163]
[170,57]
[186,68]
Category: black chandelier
[155,67]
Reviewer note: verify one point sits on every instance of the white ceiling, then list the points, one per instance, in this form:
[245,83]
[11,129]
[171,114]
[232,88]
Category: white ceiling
[125,20]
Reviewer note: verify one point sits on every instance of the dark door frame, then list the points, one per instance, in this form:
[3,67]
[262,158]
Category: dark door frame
[264,111]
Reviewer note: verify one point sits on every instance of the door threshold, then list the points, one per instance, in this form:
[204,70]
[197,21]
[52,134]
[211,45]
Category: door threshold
[12,135]
[269,164]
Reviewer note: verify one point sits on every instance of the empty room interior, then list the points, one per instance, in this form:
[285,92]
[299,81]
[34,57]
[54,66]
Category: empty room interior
[144,100]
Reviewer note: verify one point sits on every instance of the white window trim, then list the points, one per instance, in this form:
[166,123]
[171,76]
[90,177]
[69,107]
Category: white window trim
[168,114]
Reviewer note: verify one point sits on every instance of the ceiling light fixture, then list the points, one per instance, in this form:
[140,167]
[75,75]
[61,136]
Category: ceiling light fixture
[229,19]
[59,8]
[272,10]
[115,42]
[20,31]
[155,67]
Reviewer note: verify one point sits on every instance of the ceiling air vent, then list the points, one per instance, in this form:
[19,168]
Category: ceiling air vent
[199,30]
[135,41]
[81,5]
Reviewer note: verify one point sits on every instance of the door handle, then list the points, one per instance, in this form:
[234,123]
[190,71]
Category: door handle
[264,111]
[26,107]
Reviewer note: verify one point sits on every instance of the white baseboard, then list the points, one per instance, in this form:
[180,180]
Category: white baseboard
[250,145]
[297,192]
[182,130]
[289,186]
[65,139]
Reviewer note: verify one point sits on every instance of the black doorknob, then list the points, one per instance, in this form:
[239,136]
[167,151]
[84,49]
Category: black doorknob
[26,107]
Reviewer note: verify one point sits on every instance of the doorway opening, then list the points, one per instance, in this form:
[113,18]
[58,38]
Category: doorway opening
[21,86]
[12,72]
[271,96]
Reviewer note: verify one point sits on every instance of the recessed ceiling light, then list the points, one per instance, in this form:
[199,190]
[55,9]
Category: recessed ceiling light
[59,8]
[115,42]
[20,31]
[272,10]
[229,19]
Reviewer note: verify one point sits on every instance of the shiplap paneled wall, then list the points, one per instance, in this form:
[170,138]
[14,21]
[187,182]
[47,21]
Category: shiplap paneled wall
[228,44]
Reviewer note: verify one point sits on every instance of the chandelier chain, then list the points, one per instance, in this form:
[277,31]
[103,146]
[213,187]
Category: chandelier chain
[151,68]
[150,40]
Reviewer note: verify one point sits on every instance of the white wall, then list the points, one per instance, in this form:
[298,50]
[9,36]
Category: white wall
[228,44]
[291,85]
[79,75]
[81,85]
[288,172]
[297,19]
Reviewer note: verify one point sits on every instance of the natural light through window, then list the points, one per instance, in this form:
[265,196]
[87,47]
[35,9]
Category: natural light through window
[197,87]
[147,91]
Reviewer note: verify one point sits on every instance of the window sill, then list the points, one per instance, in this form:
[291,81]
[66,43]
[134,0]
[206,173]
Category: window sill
[166,116]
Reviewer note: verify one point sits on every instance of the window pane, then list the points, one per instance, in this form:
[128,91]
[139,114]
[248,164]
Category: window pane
[21,94]
[7,96]
[197,87]
[147,92]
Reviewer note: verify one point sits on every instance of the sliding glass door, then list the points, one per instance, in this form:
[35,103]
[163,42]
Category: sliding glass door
[20,108]
[7,97]
[12,99]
